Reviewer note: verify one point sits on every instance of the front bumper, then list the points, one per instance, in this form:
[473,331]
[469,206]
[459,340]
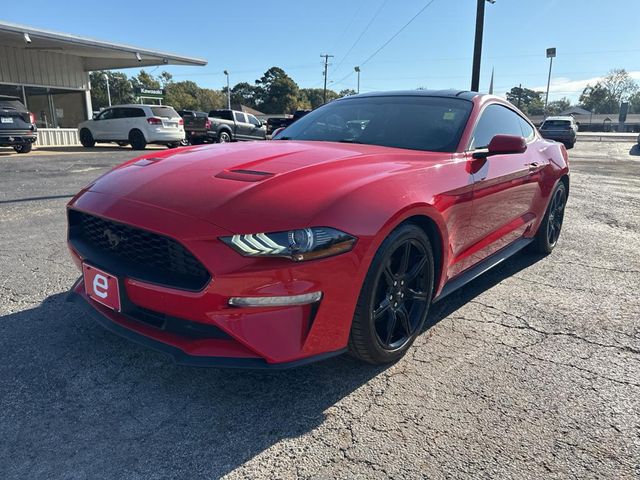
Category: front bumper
[194,353]
[268,336]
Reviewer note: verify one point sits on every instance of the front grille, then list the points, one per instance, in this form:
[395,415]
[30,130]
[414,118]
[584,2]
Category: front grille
[179,326]
[132,252]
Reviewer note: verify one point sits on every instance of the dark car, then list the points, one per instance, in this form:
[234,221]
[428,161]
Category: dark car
[275,123]
[222,126]
[17,125]
[560,129]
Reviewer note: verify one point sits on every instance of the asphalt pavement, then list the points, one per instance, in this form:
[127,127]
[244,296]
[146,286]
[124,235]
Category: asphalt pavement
[531,371]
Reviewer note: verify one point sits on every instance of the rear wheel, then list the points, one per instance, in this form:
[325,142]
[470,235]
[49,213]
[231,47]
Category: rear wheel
[395,297]
[137,140]
[549,230]
[224,137]
[24,148]
[86,138]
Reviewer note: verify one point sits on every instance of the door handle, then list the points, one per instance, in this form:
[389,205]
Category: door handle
[534,166]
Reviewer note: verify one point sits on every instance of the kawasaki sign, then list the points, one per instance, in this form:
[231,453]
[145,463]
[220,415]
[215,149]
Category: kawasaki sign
[149,92]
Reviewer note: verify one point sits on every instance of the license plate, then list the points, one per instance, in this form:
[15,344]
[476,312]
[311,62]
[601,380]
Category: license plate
[101,287]
[6,119]
[170,124]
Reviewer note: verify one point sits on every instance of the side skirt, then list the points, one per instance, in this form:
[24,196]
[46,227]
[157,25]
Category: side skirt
[488,263]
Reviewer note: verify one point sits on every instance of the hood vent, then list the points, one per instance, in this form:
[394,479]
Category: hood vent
[244,175]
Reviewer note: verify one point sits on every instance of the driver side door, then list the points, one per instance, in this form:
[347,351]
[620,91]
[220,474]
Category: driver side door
[102,126]
[504,186]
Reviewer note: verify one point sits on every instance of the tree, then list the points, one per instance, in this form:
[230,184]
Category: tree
[145,80]
[346,92]
[119,87]
[527,100]
[313,97]
[598,99]
[557,106]
[278,93]
[634,103]
[245,94]
[619,84]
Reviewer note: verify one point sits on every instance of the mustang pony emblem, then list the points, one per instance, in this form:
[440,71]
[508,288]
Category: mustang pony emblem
[113,239]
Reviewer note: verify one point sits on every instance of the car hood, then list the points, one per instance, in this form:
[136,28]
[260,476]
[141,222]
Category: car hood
[278,184]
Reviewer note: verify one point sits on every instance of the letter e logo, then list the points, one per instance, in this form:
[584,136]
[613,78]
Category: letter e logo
[100,286]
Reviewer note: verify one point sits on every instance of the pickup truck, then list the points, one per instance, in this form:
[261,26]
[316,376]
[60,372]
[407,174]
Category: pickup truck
[17,125]
[275,123]
[222,126]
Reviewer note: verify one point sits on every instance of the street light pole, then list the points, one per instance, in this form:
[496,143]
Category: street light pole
[551,53]
[357,69]
[477,48]
[106,78]
[226,72]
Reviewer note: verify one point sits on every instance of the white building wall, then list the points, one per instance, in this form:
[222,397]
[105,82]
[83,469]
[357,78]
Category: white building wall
[46,69]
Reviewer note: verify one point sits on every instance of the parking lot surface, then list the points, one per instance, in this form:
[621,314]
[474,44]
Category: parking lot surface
[531,371]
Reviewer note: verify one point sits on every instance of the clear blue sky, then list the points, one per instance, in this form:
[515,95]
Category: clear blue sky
[591,36]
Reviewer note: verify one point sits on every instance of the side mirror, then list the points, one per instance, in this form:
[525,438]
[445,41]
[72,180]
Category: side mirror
[95,116]
[503,145]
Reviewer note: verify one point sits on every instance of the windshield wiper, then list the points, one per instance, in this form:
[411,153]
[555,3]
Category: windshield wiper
[349,140]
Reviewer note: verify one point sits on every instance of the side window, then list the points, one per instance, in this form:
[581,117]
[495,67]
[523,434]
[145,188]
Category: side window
[253,120]
[240,117]
[106,114]
[135,112]
[527,130]
[119,113]
[495,119]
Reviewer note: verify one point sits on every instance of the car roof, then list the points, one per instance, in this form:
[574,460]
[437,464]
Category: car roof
[139,105]
[451,93]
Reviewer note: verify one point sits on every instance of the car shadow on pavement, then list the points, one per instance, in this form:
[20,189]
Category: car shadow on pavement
[80,402]
[635,150]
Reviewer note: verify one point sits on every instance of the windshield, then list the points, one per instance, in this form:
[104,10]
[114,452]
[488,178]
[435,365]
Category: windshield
[561,124]
[413,122]
[167,112]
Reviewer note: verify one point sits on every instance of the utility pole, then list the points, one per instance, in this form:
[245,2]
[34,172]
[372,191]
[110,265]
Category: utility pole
[226,72]
[551,52]
[477,48]
[326,66]
[519,95]
[357,69]
[106,79]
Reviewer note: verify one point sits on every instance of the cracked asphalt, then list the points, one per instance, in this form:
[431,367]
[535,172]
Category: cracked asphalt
[531,371]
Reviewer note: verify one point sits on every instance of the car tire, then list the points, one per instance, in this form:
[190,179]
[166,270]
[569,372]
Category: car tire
[224,137]
[24,148]
[396,294]
[549,230]
[137,140]
[86,138]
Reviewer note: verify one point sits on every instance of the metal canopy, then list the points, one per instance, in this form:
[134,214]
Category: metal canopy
[95,54]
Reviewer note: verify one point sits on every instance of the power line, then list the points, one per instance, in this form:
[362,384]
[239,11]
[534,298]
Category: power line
[389,40]
[375,15]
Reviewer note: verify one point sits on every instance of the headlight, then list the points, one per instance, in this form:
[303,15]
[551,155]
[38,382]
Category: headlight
[298,245]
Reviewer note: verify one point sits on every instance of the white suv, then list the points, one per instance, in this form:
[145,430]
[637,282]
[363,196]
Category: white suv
[134,124]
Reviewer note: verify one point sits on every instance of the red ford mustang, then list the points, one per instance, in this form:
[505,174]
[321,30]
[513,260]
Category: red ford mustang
[336,236]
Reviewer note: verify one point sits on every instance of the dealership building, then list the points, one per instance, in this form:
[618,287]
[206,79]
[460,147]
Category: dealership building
[49,71]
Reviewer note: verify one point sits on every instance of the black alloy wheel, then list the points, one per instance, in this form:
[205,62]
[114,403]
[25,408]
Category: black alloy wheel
[549,231]
[395,297]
